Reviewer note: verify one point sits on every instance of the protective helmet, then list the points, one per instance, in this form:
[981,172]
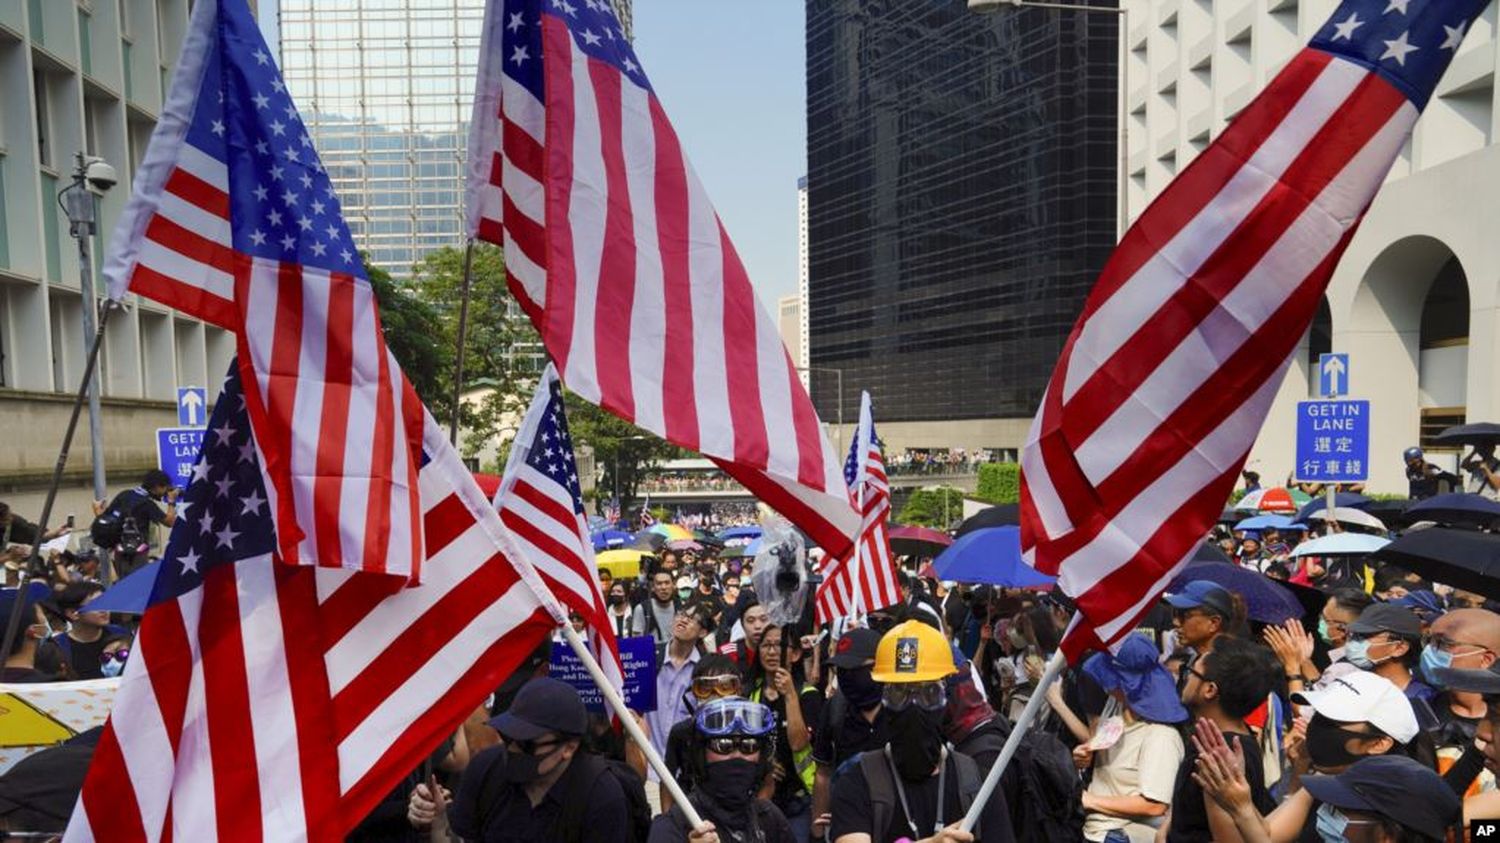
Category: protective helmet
[913,652]
[1412,453]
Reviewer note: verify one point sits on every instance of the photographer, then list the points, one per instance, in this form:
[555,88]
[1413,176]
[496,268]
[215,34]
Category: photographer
[123,526]
[1484,471]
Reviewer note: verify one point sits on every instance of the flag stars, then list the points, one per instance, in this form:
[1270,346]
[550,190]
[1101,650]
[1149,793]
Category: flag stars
[515,22]
[278,86]
[261,194]
[1455,36]
[206,526]
[200,471]
[305,223]
[262,147]
[1397,6]
[252,504]
[290,111]
[333,232]
[217,127]
[189,561]
[278,128]
[247,452]
[224,432]
[258,237]
[1399,49]
[520,54]
[288,243]
[317,206]
[289,198]
[590,37]
[347,255]
[260,56]
[290,153]
[277,171]
[1345,30]
[261,101]
[222,486]
[318,249]
[630,66]
[226,537]
[306,180]
[274,218]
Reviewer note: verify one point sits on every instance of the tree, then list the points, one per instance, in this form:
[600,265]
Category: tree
[625,452]
[999,482]
[937,507]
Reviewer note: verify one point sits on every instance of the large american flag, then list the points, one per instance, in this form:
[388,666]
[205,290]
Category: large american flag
[278,702]
[615,252]
[233,220]
[1171,369]
[865,579]
[540,503]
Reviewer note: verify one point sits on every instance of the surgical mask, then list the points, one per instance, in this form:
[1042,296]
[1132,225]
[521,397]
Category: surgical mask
[1357,653]
[1323,631]
[858,688]
[112,668]
[684,593]
[1331,824]
[1432,659]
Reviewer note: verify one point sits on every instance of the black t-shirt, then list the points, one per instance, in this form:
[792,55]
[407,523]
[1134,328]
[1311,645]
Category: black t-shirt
[836,742]
[675,756]
[83,656]
[511,818]
[1190,813]
[19,531]
[852,814]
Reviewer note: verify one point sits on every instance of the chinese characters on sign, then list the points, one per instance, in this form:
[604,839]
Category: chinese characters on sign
[1333,441]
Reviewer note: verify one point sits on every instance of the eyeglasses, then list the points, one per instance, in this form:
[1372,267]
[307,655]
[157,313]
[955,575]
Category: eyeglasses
[735,716]
[734,746]
[710,687]
[1189,670]
[925,695]
[1443,642]
[119,655]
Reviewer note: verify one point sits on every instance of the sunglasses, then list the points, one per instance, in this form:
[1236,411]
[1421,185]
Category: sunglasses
[119,655]
[734,746]
[709,687]
[532,747]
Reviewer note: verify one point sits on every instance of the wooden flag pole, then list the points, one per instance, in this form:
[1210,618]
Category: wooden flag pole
[627,718]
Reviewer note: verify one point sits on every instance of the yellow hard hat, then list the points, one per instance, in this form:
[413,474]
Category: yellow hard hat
[913,652]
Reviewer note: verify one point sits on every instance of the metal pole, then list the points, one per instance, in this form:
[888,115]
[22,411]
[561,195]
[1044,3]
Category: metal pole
[627,719]
[1054,667]
[463,332]
[839,374]
[34,560]
[78,203]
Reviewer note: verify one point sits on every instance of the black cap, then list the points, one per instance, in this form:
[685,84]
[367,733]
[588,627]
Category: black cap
[856,647]
[543,705]
[1384,617]
[1395,787]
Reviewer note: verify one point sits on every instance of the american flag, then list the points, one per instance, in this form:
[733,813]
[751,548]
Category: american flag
[615,252]
[270,701]
[233,220]
[864,580]
[541,505]
[1171,369]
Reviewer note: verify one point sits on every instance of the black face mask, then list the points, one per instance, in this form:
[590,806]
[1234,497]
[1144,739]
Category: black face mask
[524,768]
[616,599]
[731,783]
[858,688]
[1325,743]
[916,741]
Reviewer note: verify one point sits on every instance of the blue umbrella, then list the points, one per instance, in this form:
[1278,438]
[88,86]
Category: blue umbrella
[607,539]
[748,533]
[1352,500]
[130,595]
[990,555]
[1455,508]
[1266,600]
[1264,522]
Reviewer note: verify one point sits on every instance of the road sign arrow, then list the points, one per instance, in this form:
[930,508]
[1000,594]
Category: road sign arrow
[1333,369]
[193,403]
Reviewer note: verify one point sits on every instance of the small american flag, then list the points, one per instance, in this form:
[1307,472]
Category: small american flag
[279,702]
[864,580]
[541,505]
[233,220]
[615,252]
[1171,369]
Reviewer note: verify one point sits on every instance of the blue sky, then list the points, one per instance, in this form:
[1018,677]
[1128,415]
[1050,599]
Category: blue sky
[733,85]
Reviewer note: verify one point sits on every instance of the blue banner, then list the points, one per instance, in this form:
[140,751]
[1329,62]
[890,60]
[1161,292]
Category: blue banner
[637,655]
[1333,441]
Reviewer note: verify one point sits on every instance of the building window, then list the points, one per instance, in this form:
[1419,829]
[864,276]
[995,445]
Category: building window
[43,118]
[1435,420]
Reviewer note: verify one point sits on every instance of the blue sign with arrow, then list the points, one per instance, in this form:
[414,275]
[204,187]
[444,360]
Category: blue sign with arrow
[192,406]
[1333,375]
[177,452]
[1333,441]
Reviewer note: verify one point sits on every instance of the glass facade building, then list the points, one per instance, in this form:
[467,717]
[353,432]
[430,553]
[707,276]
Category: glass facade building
[962,175]
[386,88]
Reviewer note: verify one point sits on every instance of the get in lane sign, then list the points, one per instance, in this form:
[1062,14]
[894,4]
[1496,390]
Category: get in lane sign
[177,451]
[1333,441]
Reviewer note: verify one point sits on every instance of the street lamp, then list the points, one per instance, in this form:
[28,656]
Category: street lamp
[92,177]
[990,6]
[839,374]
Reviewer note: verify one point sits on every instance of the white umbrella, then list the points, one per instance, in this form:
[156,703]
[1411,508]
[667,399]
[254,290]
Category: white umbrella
[1341,544]
[1349,517]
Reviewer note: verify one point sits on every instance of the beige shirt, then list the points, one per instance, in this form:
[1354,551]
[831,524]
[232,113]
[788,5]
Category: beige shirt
[1145,762]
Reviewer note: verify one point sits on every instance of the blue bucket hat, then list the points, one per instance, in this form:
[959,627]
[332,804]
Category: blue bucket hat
[1149,689]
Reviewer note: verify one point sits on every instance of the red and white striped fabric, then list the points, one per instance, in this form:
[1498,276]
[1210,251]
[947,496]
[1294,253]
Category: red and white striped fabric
[541,505]
[615,252]
[265,701]
[865,579]
[1171,369]
[233,220]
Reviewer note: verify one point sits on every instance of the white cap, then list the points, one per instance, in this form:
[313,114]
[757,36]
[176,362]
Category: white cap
[685,582]
[1362,697]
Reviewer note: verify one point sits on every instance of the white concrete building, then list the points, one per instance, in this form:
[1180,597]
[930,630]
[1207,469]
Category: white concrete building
[1416,299]
[789,324]
[82,75]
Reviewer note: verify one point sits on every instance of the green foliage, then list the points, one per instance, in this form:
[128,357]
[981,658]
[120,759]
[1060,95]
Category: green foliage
[999,482]
[625,453]
[938,507]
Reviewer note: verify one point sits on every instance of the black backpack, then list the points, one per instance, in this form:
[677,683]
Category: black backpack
[115,527]
[580,782]
[881,783]
[1049,807]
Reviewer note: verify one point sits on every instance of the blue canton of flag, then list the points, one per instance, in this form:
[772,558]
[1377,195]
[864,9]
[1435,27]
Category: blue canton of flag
[223,516]
[595,29]
[1398,39]
[851,464]
[551,452]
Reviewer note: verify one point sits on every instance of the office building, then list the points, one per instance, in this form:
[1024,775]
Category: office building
[1411,301]
[82,75]
[961,201]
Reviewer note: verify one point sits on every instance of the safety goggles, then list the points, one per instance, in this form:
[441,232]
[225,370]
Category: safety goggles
[926,695]
[735,746]
[711,687]
[735,716]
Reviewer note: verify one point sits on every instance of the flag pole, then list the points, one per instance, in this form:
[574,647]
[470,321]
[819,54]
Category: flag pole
[633,728]
[1054,667]
[33,560]
[463,332]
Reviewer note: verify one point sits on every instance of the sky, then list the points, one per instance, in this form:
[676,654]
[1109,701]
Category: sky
[734,87]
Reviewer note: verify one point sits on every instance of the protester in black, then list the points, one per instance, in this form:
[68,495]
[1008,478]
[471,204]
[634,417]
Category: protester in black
[135,510]
[83,643]
[853,720]
[20,662]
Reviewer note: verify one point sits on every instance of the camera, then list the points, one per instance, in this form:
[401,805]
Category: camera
[99,175]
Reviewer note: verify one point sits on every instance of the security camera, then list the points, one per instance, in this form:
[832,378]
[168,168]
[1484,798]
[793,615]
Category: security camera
[99,175]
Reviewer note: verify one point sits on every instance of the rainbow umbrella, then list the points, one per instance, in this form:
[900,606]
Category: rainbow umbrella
[671,532]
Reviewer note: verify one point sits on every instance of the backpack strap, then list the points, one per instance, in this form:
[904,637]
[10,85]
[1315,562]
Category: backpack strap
[882,790]
[490,786]
[969,781]
[582,771]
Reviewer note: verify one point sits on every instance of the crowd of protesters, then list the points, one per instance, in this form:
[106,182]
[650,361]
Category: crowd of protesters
[1370,717]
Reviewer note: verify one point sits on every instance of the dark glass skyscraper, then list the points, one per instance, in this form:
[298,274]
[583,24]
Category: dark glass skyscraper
[962,199]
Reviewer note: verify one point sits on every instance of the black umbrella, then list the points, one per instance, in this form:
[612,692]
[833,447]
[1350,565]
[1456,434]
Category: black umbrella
[1209,552]
[1464,559]
[1388,511]
[1479,433]
[1004,515]
[1455,508]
